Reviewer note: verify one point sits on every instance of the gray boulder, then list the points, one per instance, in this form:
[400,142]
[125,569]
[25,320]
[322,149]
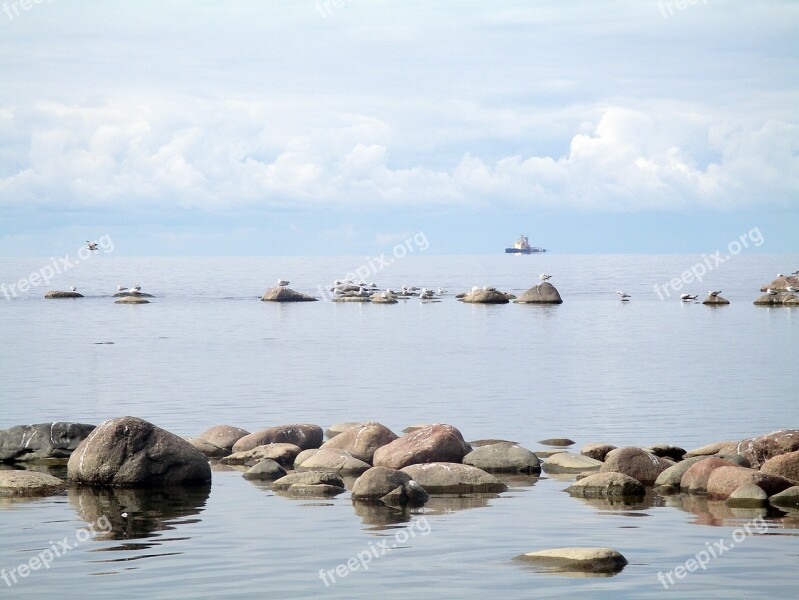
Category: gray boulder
[131,452]
[311,483]
[489,296]
[747,495]
[57,294]
[788,498]
[607,485]
[210,450]
[454,478]
[577,560]
[223,436]
[29,483]
[284,294]
[304,455]
[333,459]
[266,470]
[390,486]
[284,454]
[132,300]
[42,442]
[503,458]
[303,435]
[543,293]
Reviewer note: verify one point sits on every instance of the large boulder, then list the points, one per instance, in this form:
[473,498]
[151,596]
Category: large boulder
[607,485]
[695,477]
[487,296]
[543,293]
[284,294]
[635,462]
[758,450]
[333,459]
[716,300]
[577,560]
[131,452]
[283,454]
[361,441]
[338,428]
[434,443]
[303,435]
[597,451]
[224,436]
[725,480]
[29,483]
[670,478]
[503,458]
[785,465]
[42,442]
[454,478]
[568,462]
[390,486]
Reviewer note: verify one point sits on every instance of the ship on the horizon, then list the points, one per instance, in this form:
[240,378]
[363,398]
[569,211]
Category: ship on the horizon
[522,246]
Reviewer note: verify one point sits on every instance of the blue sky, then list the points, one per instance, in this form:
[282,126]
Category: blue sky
[304,127]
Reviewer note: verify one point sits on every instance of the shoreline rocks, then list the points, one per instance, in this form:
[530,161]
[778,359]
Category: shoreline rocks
[454,478]
[390,486]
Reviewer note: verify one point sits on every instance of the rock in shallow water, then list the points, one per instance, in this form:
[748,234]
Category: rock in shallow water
[670,478]
[29,483]
[434,443]
[568,462]
[747,495]
[284,454]
[391,486]
[224,436]
[454,478]
[132,300]
[784,465]
[57,294]
[636,463]
[361,441]
[266,470]
[503,458]
[210,450]
[694,479]
[607,485]
[42,442]
[578,560]
[310,483]
[787,498]
[543,293]
[333,459]
[304,435]
[725,480]
[597,451]
[129,451]
[284,294]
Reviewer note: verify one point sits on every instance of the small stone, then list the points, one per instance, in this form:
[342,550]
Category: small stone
[567,462]
[390,486]
[578,560]
[266,470]
[29,483]
[607,485]
[747,495]
[310,483]
[559,442]
[57,294]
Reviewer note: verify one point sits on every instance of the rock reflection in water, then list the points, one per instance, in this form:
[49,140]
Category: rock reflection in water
[145,511]
[630,507]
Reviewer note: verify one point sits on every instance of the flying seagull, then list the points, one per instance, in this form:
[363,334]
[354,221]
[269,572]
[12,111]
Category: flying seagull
[92,245]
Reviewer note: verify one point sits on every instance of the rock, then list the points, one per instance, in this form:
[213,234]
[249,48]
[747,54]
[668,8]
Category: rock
[671,477]
[383,299]
[388,485]
[207,448]
[284,294]
[333,459]
[266,470]
[607,485]
[568,462]
[490,442]
[361,441]
[56,294]
[747,495]
[304,455]
[454,478]
[137,294]
[736,459]
[725,480]
[42,442]
[310,483]
[667,451]
[351,299]
[635,462]
[29,483]
[695,477]
[559,442]
[707,450]
[503,458]
[758,450]
[131,452]
[412,428]
[781,283]
[338,428]
[303,435]
[781,299]
[283,454]
[543,293]
[597,451]
[486,297]
[132,300]
[578,560]
[788,498]
[784,465]
[434,443]
[544,454]
[224,436]
[715,301]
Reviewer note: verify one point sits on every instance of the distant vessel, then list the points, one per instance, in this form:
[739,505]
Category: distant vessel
[522,246]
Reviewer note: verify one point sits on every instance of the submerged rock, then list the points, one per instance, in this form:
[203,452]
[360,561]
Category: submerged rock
[132,300]
[568,462]
[29,483]
[578,560]
[542,293]
[557,442]
[284,294]
[266,470]
[454,478]
[134,294]
[129,451]
[788,498]
[57,294]
[607,485]
[434,443]
[503,458]
[42,441]
[391,486]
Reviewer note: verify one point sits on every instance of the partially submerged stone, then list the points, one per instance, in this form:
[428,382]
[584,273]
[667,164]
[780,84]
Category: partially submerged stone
[568,462]
[284,454]
[333,459]
[597,451]
[266,470]
[42,442]
[361,441]
[390,486]
[503,458]
[635,462]
[542,293]
[434,443]
[304,435]
[284,294]
[747,495]
[210,450]
[132,300]
[557,442]
[454,478]
[725,480]
[58,294]
[578,560]
[607,485]
[29,483]
[319,484]
[224,436]
[788,498]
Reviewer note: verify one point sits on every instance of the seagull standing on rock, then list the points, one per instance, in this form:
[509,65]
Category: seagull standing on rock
[712,293]
[74,289]
[544,277]
[282,283]
[772,292]
[623,296]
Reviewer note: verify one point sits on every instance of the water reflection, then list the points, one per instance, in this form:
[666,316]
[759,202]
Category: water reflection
[139,513]
[630,507]
[379,516]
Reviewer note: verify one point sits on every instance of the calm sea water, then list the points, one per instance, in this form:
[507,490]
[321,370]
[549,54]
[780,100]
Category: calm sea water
[206,351]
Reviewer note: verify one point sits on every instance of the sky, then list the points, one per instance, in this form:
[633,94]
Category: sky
[338,127]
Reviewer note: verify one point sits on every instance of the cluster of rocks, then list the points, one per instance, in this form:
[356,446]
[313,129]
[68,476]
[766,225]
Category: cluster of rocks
[783,291]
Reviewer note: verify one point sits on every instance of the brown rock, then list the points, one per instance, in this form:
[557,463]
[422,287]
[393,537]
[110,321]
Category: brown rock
[607,485]
[454,478]
[362,441]
[303,435]
[223,436]
[635,462]
[29,483]
[210,450]
[725,480]
[715,301]
[758,450]
[784,465]
[597,451]
[284,294]
[333,459]
[694,480]
[489,296]
[708,450]
[435,443]
[388,485]
[283,454]
[542,293]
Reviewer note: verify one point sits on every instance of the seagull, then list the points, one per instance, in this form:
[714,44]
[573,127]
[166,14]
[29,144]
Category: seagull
[712,293]
[780,275]
[687,297]
[792,288]
[426,294]
[121,288]
[624,296]
[442,291]
[136,289]
[92,245]
[544,277]
[769,291]
[282,282]
[475,289]
[795,273]
[74,289]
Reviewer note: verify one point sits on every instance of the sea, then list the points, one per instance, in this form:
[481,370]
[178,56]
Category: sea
[207,351]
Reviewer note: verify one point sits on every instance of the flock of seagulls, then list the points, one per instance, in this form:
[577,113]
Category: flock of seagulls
[349,288]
